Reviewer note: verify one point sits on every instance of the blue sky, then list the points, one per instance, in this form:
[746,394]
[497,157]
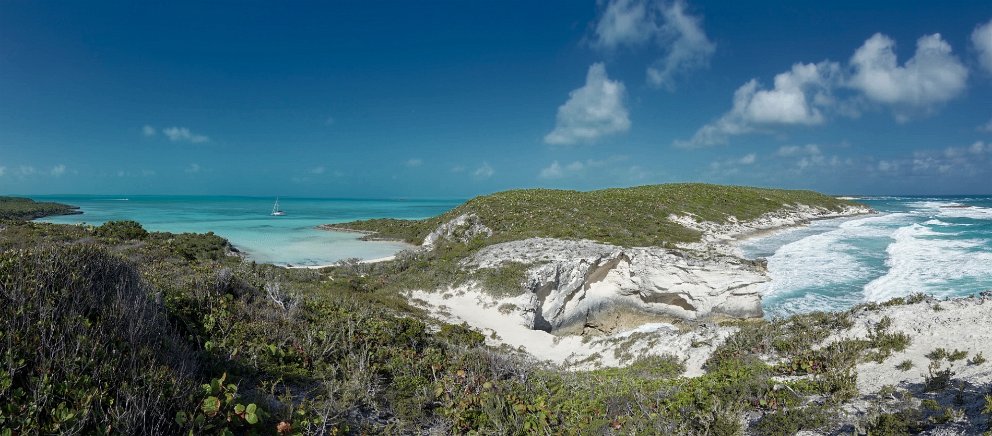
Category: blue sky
[454,99]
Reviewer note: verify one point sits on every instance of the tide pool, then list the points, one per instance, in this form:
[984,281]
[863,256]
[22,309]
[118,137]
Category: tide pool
[937,245]
[246,222]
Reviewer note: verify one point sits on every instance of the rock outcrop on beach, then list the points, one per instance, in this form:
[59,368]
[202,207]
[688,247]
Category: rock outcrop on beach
[584,286]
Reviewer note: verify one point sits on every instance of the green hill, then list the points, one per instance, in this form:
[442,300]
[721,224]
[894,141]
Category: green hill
[635,216]
[19,208]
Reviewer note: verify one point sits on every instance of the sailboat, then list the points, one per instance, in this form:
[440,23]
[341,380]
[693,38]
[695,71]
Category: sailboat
[275,209]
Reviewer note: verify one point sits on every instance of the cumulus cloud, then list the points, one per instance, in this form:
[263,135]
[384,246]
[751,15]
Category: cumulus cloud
[484,171]
[413,163]
[689,48]
[798,150]
[57,170]
[666,25]
[148,131]
[808,93]
[609,168]
[799,96]
[317,170]
[987,127]
[733,165]
[626,23]
[981,38]
[557,171]
[592,111]
[963,161]
[553,171]
[193,168]
[933,75]
[183,134]
[3,170]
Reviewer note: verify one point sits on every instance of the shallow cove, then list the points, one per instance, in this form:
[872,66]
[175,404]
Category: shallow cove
[245,221]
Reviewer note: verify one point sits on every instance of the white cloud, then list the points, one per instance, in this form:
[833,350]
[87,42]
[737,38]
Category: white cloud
[799,96]
[176,134]
[965,161]
[148,130]
[665,24]
[576,168]
[553,171]
[982,40]
[688,49]
[804,95]
[57,170]
[26,170]
[592,111]
[933,75]
[987,127]
[557,171]
[797,150]
[483,172]
[193,168]
[3,170]
[317,170]
[732,166]
[626,23]
[413,163]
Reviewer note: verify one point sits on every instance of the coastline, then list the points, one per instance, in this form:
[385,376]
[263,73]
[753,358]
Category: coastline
[771,231]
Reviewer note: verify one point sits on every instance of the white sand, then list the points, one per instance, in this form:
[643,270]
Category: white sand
[961,324]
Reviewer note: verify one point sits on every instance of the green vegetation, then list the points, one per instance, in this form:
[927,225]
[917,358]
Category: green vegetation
[18,208]
[623,216]
[174,330]
[122,230]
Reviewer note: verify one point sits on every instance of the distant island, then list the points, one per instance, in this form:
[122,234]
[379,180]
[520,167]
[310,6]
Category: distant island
[20,208]
[618,311]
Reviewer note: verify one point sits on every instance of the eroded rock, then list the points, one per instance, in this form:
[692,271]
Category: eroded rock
[578,286]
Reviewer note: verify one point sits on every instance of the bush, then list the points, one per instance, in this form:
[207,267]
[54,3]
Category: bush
[123,230]
[85,349]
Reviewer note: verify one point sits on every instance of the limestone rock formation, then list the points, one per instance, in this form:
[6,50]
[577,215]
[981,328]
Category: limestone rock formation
[578,286]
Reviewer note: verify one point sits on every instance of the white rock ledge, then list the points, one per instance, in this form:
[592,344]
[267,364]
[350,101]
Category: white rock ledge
[578,286]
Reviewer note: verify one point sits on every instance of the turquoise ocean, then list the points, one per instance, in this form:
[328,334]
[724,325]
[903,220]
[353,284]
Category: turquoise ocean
[292,239]
[938,245]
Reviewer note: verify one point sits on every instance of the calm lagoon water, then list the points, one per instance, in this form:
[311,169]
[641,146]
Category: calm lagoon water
[245,221]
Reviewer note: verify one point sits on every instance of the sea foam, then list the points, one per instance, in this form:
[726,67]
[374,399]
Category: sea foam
[922,260]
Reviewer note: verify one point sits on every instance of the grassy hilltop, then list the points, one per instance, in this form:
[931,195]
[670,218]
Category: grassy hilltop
[635,216]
